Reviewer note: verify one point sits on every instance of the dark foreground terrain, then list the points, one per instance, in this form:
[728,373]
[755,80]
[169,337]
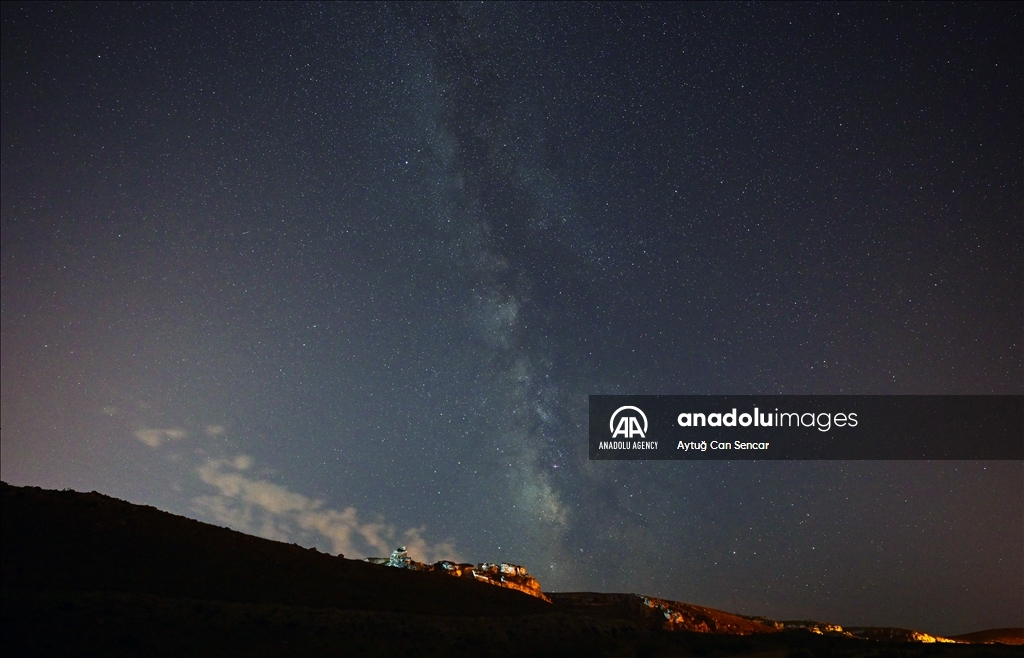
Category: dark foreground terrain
[89,575]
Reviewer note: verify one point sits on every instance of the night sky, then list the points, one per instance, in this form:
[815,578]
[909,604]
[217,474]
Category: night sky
[345,275]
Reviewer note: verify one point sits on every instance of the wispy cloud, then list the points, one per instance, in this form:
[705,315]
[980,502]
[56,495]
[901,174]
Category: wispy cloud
[270,510]
[154,437]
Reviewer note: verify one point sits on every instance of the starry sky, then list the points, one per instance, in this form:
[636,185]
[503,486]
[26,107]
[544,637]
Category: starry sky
[345,274]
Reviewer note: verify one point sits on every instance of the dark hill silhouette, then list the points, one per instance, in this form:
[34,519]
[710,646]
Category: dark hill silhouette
[72,541]
[993,635]
[89,575]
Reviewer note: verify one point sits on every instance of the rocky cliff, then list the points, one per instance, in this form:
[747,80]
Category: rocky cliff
[819,627]
[660,614]
[501,574]
[898,635]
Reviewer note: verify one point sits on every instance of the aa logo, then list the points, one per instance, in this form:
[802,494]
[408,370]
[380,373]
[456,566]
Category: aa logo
[628,424]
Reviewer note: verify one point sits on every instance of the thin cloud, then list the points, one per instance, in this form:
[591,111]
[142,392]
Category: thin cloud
[269,510]
[154,437]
